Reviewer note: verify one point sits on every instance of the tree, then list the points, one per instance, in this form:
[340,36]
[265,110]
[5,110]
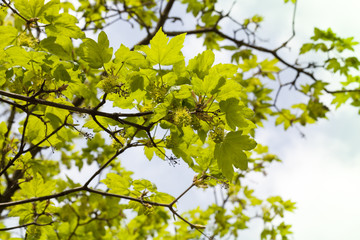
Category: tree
[68,100]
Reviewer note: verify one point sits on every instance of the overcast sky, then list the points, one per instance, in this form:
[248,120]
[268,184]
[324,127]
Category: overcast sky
[321,172]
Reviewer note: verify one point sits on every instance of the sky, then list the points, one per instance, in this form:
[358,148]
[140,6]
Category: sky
[321,172]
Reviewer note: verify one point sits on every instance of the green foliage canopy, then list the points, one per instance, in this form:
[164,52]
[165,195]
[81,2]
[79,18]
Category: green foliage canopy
[55,93]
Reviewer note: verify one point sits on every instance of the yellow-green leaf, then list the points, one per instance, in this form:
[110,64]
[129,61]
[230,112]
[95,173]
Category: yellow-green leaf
[230,154]
[165,52]
[8,36]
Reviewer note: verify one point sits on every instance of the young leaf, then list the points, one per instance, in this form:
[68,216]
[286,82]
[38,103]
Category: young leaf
[117,184]
[60,46]
[8,36]
[269,65]
[63,25]
[33,8]
[149,152]
[37,187]
[231,89]
[163,51]
[3,130]
[217,77]
[229,153]
[96,53]
[202,63]
[235,113]
[124,56]
[143,184]
[60,73]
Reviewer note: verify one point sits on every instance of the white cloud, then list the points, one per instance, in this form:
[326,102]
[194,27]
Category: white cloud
[320,173]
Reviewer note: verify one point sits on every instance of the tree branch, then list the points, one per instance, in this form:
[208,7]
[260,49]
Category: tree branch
[15,11]
[26,225]
[115,116]
[72,108]
[163,17]
[21,148]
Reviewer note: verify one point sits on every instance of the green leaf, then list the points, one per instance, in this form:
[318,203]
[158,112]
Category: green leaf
[149,152]
[249,64]
[235,114]
[36,130]
[317,109]
[231,89]
[67,5]
[3,130]
[57,115]
[91,124]
[8,36]
[117,184]
[306,48]
[285,117]
[30,8]
[96,53]
[269,66]
[229,153]
[135,59]
[63,25]
[181,92]
[217,77]
[162,198]
[143,184]
[60,46]
[18,55]
[37,187]
[2,77]
[243,54]
[165,52]
[160,111]
[212,39]
[340,99]
[202,63]
[194,6]
[215,80]
[60,73]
